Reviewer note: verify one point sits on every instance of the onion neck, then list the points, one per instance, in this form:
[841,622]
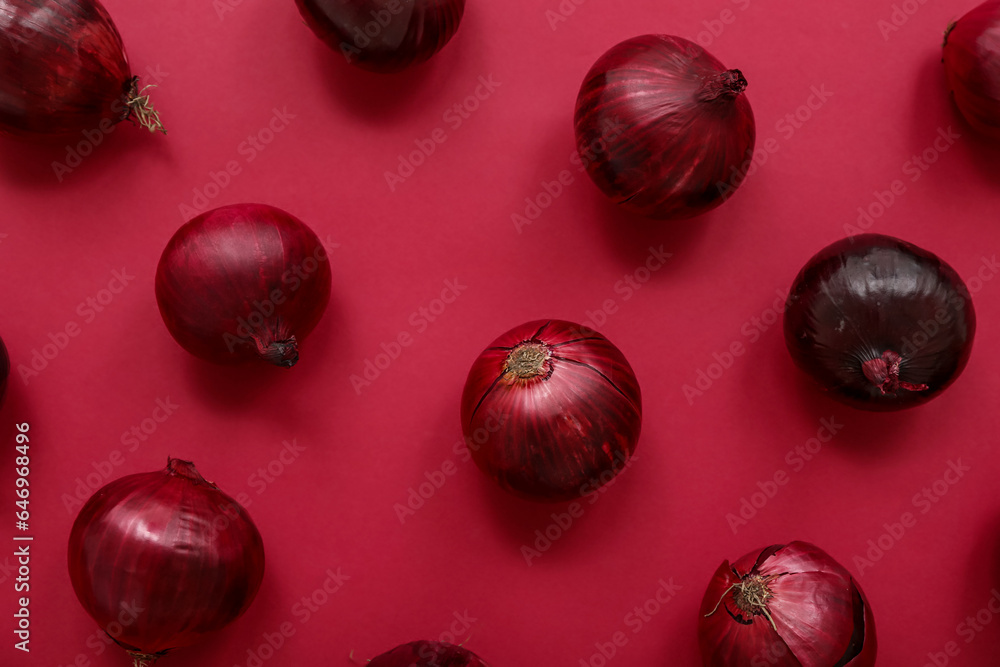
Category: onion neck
[725,85]
[529,360]
[883,372]
[751,595]
[186,469]
[284,353]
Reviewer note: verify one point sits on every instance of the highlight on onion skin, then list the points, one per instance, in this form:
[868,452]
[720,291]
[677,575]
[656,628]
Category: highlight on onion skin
[383,35]
[879,323]
[63,71]
[162,559]
[971,57]
[428,654]
[551,411]
[243,283]
[786,606]
[663,128]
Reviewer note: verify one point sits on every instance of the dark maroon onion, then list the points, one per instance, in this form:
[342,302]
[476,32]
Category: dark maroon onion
[879,323]
[243,282]
[551,411]
[383,35]
[786,606]
[63,70]
[162,559]
[972,64]
[663,128]
[428,654]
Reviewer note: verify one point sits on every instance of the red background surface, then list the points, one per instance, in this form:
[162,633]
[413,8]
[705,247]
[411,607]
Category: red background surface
[332,507]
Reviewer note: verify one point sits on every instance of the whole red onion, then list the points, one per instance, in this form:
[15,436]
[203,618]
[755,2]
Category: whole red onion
[972,63]
[551,411]
[243,282]
[383,35]
[161,559]
[663,128]
[879,323]
[428,654]
[63,70]
[786,606]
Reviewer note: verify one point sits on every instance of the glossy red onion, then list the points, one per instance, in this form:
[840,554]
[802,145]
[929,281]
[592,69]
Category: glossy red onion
[162,559]
[663,128]
[428,654]
[879,323]
[383,35]
[972,64]
[243,282]
[63,71]
[786,606]
[551,410]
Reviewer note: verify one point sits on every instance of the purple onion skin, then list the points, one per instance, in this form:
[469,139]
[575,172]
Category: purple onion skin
[869,296]
[663,128]
[229,288]
[428,654]
[560,434]
[971,59]
[400,33]
[181,555]
[63,69]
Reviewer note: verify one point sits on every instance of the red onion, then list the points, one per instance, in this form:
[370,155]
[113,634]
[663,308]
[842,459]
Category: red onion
[161,559]
[63,71]
[663,128]
[786,606]
[428,654]
[243,282]
[561,407]
[383,35]
[972,64]
[879,323]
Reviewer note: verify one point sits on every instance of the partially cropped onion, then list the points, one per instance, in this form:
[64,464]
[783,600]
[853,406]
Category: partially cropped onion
[63,71]
[383,35]
[428,654]
[663,128]
[786,606]
[879,323]
[161,559]
[972,63]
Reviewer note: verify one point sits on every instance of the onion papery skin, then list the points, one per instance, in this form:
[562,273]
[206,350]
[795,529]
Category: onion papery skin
[428,654]
[558,432]
[244,282]
[161,559]
[63,71]
[971,59]
[663,128]
[871,297]
[383,35]
[821,617]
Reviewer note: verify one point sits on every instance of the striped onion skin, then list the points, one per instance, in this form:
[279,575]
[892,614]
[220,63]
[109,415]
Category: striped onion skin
[383,35]
[663,128]
[551,411]
[161,559]
[428,654]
